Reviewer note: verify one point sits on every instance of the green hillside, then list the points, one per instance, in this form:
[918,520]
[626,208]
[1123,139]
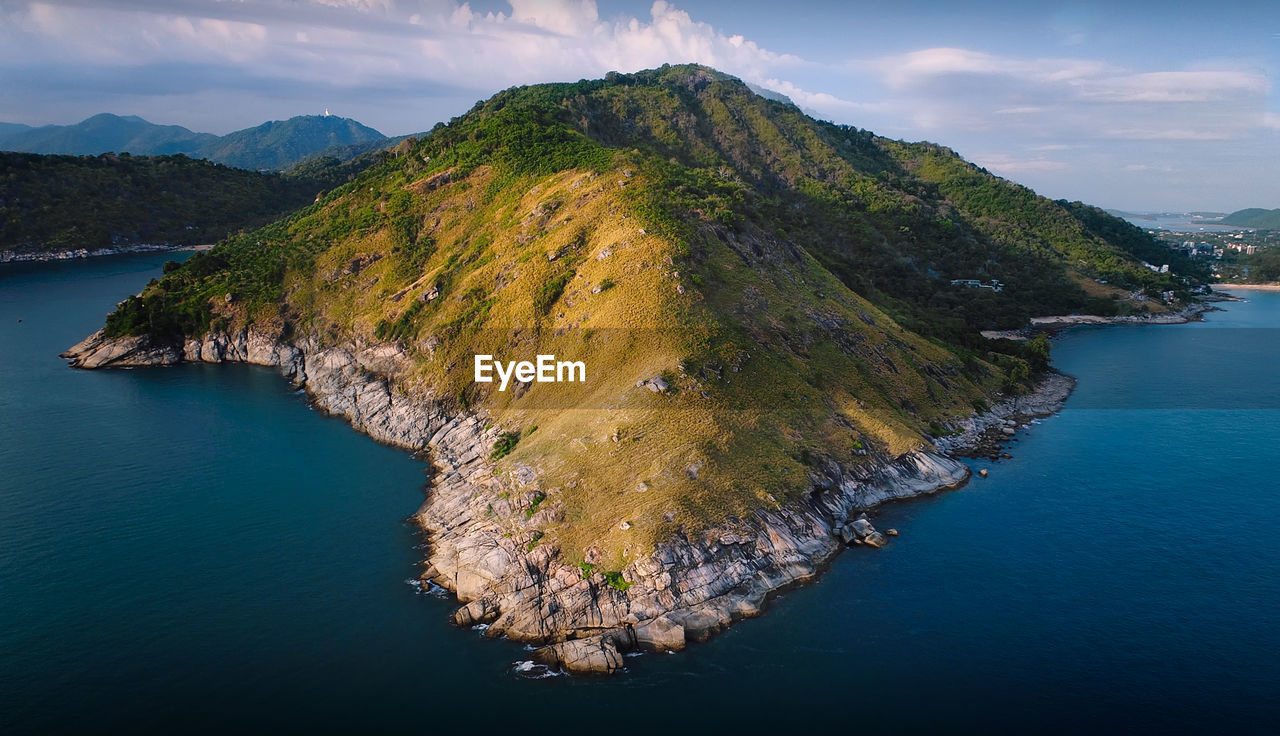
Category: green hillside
[789,279]
[1254,217]
[280,143]
[57,203]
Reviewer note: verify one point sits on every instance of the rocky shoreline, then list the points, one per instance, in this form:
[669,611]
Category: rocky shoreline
[9,256]
[1050,325]
[1219,288]
[986,434]
[482,529]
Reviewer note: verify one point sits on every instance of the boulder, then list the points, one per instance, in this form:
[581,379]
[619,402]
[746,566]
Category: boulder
[479,611]
[662,634]
[592,655]
[655,384]
[862,527]
[875,539]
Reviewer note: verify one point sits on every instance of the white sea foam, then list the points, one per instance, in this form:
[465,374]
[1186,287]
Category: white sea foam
[531,670]
[426,587]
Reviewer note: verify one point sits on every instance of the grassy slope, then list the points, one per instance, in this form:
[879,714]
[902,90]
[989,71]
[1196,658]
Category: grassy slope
[667,223]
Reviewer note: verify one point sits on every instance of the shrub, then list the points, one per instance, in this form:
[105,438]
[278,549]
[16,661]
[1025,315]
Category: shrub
[507,442]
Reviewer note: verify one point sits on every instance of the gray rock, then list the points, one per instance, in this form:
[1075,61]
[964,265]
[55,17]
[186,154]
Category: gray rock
[662,634]
[655,384]
[861,527]
[591,655]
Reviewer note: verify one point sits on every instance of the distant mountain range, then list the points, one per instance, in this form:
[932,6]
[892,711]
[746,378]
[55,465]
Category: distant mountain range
[272,146]
[1254,217]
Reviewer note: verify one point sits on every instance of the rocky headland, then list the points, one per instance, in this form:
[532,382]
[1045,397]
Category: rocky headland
[480,526]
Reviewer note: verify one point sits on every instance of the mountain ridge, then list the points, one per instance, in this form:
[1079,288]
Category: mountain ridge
[273,145]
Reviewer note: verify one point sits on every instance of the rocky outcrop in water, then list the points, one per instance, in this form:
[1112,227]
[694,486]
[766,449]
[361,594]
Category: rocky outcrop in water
[483,546]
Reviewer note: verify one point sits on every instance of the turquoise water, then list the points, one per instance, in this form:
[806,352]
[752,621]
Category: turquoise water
[195,549]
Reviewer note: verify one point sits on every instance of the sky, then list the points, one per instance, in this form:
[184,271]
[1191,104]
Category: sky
[1144,106]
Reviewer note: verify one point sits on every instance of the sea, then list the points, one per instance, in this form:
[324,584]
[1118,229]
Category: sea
[194,549]
[1181,222]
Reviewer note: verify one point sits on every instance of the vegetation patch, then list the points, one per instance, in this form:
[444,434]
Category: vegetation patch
[506,442]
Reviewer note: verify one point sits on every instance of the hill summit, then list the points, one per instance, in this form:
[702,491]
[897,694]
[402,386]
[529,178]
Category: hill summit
[775,315]
[280,143]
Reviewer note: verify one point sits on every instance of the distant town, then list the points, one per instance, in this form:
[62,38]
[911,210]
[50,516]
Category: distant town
[1231,251]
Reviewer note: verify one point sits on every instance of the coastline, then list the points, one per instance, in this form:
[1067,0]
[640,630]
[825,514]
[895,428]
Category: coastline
[482,544]
[1247,287]
[1052,324]
[9,256]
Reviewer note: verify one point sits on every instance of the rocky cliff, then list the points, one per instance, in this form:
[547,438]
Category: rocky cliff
[482,527]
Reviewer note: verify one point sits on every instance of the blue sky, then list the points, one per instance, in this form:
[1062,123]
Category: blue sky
[1137,105]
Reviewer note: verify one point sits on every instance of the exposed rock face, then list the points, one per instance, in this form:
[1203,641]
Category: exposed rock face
[96,351]
[483,547]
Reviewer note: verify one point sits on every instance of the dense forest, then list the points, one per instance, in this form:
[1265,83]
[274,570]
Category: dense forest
[58,203]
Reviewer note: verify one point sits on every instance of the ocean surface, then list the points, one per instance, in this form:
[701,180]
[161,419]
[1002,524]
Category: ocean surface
[1182,223]
[194,549]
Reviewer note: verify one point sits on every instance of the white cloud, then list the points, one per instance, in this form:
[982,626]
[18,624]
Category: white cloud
[1167,134]
[400,44]
[1148,168]
[957,89]
[1176,86]
[818,101]
[926,65]
[1002,163]
[569,17]
[361,5]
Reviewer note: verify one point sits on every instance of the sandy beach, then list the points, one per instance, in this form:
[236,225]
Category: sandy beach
[1248,287]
